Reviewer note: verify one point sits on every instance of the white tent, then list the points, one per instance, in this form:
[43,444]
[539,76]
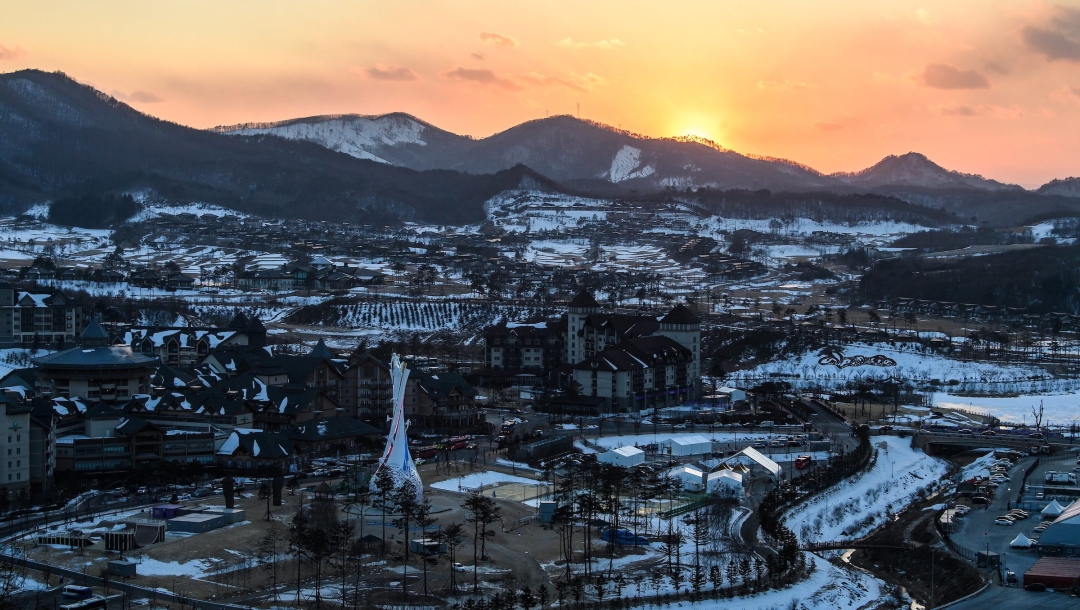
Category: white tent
[726,482]
[1053,509]
[752,458]
[689,445]
[692,478]
[622,456]
[1021,542]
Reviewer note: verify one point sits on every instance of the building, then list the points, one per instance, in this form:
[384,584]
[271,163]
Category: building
[15,428]
[96,373]
[524,348]
[1062,536]
[45,319]
[640,374]
[687,445]
[622,456]
[1058,573]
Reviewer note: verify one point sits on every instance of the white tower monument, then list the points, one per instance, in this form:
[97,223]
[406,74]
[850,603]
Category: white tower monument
[396,459]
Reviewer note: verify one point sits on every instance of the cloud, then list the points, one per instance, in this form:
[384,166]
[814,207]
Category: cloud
[960,111]
[944,76]
[479,56]
[992,111]
[997,68]
[498,40]
[606,45]
[827,126]
[784,85]
[1067,95]
[138,97]
[925,17]
[11,54]
[1057,39]
[392,73]
[482,77]
[585,83]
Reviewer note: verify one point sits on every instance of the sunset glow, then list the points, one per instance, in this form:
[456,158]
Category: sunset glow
[981,86]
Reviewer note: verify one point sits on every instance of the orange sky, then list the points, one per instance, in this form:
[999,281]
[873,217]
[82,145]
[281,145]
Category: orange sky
[983,86]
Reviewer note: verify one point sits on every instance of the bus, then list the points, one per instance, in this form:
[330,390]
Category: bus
[77,592]
[459,442]
[427,452]
[803,461]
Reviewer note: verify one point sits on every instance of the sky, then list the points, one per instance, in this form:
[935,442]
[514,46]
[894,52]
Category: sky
[981,86]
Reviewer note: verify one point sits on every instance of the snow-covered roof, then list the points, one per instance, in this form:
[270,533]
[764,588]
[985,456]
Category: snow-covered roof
[1053,509]
[757,457]
[628,451]
[696,439]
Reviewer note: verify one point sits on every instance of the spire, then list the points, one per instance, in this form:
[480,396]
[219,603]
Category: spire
[321,351]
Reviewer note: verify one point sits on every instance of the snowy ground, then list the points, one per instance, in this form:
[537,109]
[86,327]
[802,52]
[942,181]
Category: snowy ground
[1022,386]
[978,468]
[858,505]
[478,480]
[829,587]
[1058,408]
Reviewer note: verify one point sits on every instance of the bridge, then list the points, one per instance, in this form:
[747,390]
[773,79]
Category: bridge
[855,544]
[927,440]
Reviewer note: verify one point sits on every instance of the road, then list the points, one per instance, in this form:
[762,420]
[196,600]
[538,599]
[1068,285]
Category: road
[1015,598]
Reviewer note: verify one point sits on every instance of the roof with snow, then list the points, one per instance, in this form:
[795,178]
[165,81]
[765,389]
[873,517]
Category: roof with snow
[750,456]
[627,451]
[637,354]
[1053,509]
[97,357]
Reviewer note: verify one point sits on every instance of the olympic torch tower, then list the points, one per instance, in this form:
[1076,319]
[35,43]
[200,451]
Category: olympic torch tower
[396,459]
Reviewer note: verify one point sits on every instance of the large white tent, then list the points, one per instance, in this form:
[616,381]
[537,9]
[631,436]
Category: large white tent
[1021,542]
[1053,509]
[622,456]
[689,445]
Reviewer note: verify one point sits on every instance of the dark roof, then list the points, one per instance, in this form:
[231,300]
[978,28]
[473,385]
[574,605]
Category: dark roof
[636,353]
[332,428]
[443,384]
[320,350]
[680,314]
[94,330]
[626,326]
[584,299]
[134,425]
[89,358]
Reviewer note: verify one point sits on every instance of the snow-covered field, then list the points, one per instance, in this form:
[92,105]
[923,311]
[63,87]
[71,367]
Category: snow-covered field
[1058,408]
[480,479]
[1022,386]
[853,508]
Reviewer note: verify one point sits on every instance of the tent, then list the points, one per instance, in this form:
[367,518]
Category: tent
[1053,509]
[622,456]
[1021,542]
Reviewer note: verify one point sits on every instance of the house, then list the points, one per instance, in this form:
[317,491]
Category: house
[180,281]
[249,449]
[43,318]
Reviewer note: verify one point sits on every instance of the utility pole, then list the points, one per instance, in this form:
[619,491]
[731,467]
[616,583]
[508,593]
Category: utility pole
[579,110]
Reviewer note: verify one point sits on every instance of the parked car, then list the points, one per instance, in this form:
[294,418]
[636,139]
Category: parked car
[1035,586]
[1002,521]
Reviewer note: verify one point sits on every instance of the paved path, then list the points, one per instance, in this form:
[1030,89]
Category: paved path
[1014,598]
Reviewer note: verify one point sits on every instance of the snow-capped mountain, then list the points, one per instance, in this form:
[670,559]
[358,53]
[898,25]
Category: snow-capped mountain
[914,169]
[395,139]
[593,155]
[562,148]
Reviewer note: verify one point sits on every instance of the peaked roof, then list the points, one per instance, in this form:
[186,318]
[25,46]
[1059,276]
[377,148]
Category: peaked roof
[680,314]
[1053,509]
[320,350]
[584,299]
[94,330]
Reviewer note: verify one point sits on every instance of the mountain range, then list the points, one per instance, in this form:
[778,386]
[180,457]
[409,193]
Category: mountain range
[588,154]
[61,138]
